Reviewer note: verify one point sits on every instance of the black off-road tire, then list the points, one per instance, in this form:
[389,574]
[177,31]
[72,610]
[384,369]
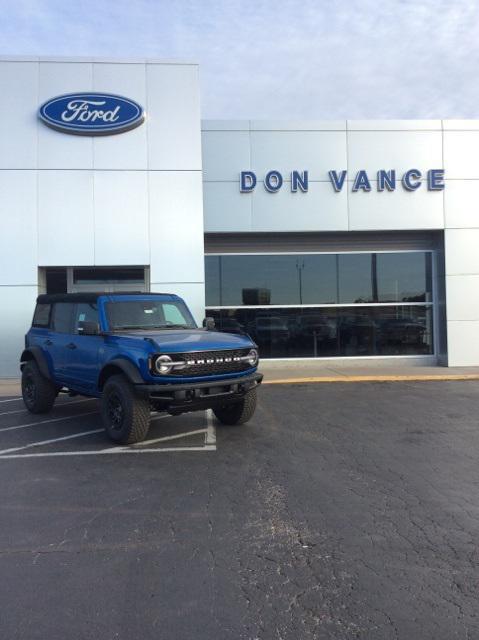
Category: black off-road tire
[126,416]
[239,412]
[38,392]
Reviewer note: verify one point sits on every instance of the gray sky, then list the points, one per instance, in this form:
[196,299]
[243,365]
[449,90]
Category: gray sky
[285,60]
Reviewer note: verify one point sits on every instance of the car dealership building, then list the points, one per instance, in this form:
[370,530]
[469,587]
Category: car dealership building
[334,239]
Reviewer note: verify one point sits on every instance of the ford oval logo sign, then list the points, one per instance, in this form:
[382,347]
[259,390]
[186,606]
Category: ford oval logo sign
[91,114]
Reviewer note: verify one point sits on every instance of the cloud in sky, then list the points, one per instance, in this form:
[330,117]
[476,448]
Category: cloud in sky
[318,59]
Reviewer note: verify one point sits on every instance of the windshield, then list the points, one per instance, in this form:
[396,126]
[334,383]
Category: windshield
[148,314]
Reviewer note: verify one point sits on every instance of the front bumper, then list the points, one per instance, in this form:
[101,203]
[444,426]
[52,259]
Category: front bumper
[200,395]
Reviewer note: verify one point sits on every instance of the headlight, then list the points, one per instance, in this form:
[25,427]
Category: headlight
[252,358]
[163,364]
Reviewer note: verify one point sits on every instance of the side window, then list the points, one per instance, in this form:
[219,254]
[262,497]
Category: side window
[62,317]
[173,315]
[85,312]
[41,317]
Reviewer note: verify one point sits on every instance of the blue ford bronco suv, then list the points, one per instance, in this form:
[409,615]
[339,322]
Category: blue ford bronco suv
[137,353]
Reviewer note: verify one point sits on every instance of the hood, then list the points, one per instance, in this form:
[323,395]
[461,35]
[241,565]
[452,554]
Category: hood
[180,340]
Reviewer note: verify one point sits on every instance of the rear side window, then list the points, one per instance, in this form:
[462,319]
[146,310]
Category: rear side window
[62,317]
[41,317]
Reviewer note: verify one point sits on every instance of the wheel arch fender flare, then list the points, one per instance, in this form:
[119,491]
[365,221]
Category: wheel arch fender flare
[37,355]
[119,365]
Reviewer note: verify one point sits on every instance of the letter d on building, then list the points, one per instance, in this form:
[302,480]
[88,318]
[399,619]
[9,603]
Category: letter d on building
[247,181]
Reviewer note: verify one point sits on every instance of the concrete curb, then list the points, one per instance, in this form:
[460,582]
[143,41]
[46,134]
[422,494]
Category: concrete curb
[378,378]
[12,387]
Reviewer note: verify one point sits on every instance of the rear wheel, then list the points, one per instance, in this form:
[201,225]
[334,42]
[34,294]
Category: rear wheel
[239,412]
[126,417]
[37,391]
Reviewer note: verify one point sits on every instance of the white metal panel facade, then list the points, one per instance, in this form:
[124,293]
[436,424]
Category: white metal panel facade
[64,199]
[72,200]
[461,240]
[18,232]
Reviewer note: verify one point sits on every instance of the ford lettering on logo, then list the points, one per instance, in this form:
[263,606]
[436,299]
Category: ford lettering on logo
[91,114]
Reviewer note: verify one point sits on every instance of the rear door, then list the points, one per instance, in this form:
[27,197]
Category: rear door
[58,343]
[82,362]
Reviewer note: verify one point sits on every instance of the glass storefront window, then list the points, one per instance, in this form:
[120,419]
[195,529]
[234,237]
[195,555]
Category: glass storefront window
[318,279]
[404,277]
[357,278]
[271,298]
[253,280]
[332,332]
[212,281]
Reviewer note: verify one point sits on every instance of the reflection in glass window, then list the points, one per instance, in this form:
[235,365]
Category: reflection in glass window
[319,283]
[212,281]
[404,277]
[279,289]
[332,332]
[357,279]
[318,279]
[259,280]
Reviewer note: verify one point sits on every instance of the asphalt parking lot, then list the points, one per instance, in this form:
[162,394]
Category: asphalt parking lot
[341,511]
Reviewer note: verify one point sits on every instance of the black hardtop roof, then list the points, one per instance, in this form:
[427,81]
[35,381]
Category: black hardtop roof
[49,298]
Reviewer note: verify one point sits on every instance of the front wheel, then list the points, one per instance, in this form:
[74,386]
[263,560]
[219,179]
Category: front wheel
[239,412]
[126,417]
[37,391]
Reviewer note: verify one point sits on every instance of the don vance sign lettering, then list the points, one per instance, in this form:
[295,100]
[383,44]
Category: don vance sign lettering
[382,180]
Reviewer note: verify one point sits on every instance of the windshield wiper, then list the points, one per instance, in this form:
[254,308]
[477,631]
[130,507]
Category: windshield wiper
[129,326]
[175,326]
[150,327]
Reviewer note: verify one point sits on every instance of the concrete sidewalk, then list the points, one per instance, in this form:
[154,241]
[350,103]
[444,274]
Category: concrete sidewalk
[10,387]
[311,371]
[303,371]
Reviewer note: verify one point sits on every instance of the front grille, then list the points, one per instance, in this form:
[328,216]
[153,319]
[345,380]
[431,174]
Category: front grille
[206,368]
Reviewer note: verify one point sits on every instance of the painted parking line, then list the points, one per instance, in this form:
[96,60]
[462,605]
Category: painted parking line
[177,436]
[58,404]
[119,450]
[34,424]
[209,431]
[210,438]
[41,443]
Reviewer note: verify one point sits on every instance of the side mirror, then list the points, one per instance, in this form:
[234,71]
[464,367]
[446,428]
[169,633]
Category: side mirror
[88,328]
[209,324]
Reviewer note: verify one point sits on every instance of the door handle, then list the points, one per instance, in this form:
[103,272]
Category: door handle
[48,343]
[71,345]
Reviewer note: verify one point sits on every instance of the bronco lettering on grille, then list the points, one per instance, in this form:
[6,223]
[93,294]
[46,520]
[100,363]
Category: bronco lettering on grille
[214,361]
